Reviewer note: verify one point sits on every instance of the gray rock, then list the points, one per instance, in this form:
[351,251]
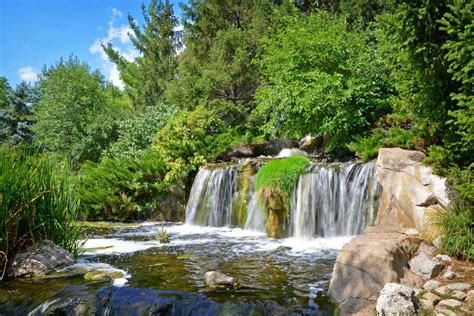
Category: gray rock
[459,295]
[396,299]
[428,250]
[310,143]
[450,303]
[443,290]
[215,278]
[426,267]
[39,261]
[366,263]
[431,285]
[459,286]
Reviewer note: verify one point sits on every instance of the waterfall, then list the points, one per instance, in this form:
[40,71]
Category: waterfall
[211,196]
[328,200]
[334,200]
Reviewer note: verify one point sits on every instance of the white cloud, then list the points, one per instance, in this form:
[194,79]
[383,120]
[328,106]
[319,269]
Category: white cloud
[28,74]
[119,37]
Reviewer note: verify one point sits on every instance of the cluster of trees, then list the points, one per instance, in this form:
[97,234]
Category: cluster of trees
[360,74]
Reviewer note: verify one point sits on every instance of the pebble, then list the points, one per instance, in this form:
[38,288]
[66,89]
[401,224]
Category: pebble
[443,290]
[430,300]
[470,296]
[449,275]
[444,312]
[444,258]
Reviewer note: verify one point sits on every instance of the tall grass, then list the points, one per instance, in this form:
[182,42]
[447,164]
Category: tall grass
[456,225]
[37,203]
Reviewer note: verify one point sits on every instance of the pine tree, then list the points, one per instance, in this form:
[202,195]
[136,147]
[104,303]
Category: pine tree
[158,42]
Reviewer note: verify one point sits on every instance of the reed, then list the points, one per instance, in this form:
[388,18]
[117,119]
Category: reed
[37,203]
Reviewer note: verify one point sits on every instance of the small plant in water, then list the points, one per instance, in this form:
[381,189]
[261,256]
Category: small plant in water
[163,235]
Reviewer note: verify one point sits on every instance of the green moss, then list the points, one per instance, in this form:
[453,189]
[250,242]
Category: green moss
[244,185]
[281,174]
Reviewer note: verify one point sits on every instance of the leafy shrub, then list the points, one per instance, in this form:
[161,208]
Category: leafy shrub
[136,134]
[122,189]
[281,174]
[37,202]
[367,147]
[456,224]
[320,78]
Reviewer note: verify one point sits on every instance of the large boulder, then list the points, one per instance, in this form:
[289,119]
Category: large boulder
[396,299]
[409,189]
[366,264]
[40,260]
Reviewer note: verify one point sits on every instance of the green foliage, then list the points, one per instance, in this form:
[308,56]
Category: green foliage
[15,116]
[321,79]
[122,189]
[37,202]
[367,147]
[136,134]
[193,138]
[281,174]
[221,40]
[456,225]
[5,91]
[78,114]
[147,76]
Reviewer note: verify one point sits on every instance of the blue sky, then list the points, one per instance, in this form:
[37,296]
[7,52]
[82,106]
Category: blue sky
[38,32]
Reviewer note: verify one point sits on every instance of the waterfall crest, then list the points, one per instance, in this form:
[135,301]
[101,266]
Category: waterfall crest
[329,200]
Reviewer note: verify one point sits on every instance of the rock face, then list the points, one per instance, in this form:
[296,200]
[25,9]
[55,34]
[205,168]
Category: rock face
[215,278]
[396,299]
[40,260]
[366,264]
[409,189]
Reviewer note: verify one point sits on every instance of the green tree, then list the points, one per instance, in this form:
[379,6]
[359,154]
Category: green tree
[15,118]
[78,114]
[147,76]
[5,91]
[319,78]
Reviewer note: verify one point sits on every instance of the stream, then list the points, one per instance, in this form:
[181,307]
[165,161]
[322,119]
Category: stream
[286,276]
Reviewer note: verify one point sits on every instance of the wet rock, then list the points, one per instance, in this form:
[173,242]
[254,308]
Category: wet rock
[425,267]
[310,143]
[39,261]
[452,303]
[215,278]
[396,299]
[410,189]
[431,285]
[430,300]
[365,264]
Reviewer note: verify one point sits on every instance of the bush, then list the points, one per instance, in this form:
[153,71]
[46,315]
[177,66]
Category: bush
[122,189]
[456,224]
[367,147]
[37,203]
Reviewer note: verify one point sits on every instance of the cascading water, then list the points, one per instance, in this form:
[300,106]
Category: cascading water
[329,200]
[334,200]
[210,200]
